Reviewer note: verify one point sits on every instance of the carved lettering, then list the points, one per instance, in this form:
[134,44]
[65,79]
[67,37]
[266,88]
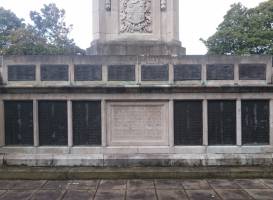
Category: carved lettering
[139,124]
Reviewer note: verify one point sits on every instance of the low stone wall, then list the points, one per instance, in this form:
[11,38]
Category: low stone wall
[136,110]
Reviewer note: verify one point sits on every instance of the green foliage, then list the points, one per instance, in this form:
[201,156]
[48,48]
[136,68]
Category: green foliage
[244,31]
[48,35]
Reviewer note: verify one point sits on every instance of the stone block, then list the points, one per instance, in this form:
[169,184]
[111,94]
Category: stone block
[21,73]
[252,71]
[121,73]
[28,159]
[137,124]
[188,72]
[94,160]
[54,72]
[88,72]
[1,159]
[154,73]
[220,72]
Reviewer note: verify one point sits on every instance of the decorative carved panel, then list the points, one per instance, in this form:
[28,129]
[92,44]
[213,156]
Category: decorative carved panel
[135,16]
[137,123]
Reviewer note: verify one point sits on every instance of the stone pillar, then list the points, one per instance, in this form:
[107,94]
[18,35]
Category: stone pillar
[271,122]
[236,73]
[104,73]
[205,122]
[239,122]
[38,73]
[71,73]
[35,123]
[2,124]
[70,123]
[204,74]
[171,123]
[171,74]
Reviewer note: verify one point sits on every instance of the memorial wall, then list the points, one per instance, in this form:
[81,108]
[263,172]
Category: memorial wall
[136,100]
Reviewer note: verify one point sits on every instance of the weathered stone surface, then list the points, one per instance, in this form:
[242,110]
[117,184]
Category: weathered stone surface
[223,184]
[140,184]
[110,194]
[171,195]
[220,72]
[268,182]
[22,195]
[261,194]
[154,73]
[55,185]
[187,72]
[112,185]
[88,72]
[169,184]
[140,123]
[78,195]
[21,72]
[233,194]
[252,71]
[6,184]
[27,185]
[47,194]
[141,194]
[2,192]
[202,195]
[195,185]
[135,16]
[121,73]
[54,72]
[83,185]
[251,184]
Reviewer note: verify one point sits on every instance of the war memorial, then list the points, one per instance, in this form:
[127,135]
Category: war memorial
[136,99]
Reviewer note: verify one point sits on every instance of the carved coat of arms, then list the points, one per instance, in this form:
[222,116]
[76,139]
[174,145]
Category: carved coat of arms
[135,16]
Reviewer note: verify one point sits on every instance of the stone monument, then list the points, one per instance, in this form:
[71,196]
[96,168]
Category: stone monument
[136,27]
[136,100]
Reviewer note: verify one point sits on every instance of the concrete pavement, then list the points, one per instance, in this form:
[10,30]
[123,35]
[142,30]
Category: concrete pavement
[159,189]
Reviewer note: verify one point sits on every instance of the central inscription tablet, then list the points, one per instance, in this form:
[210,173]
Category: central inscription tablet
[137,124]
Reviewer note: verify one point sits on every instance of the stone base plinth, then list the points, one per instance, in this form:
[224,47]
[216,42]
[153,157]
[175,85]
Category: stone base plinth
[136,160]
[136,48]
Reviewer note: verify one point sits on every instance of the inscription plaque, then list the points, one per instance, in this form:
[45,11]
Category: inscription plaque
[54,72]
[86,123]
[21,72]
[52,123]
[222,122]
[220,72]
[252,71]
[188,129]
[187,72]
[154,73]
[88,73]
[121,73]
[255,122]
[138,124]
[18,122]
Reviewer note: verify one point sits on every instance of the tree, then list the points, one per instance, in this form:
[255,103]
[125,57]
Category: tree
[50,25]
[244,31]
[49,34]
[9,22]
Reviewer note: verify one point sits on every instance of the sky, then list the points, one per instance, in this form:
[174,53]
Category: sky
[198,18]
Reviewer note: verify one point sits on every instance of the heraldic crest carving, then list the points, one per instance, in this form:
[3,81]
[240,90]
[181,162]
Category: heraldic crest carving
[135,16]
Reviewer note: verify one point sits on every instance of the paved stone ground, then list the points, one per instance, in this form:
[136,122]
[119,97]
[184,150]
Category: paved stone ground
[219,189]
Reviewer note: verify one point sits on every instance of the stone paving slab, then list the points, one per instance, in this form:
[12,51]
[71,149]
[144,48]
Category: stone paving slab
[79,195]
[171,195]
[138,189]
[233,194]
[259,194]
